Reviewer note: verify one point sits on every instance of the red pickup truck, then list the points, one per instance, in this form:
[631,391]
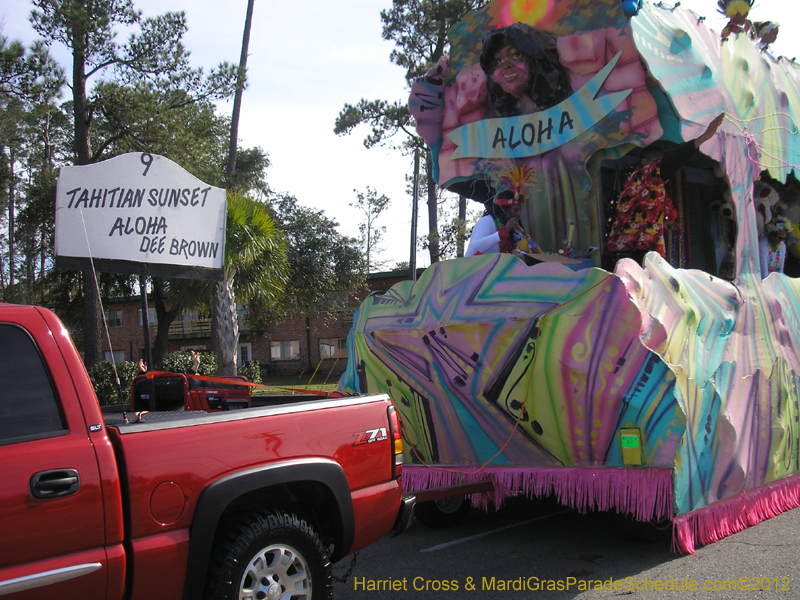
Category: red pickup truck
[254,503]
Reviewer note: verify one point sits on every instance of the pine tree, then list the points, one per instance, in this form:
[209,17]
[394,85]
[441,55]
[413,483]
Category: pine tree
[419,29]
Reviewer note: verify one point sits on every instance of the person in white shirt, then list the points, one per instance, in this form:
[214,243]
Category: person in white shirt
[499,229]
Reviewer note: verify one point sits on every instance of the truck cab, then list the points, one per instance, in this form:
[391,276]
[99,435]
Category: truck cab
[61,503]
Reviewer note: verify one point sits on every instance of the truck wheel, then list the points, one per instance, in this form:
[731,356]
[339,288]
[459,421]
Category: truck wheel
[446,512]
[271,555]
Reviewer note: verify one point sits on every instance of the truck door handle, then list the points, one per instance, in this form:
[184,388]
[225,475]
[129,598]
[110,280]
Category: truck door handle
[55,483]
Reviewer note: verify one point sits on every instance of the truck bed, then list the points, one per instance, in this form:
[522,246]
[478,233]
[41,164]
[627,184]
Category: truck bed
[263,406]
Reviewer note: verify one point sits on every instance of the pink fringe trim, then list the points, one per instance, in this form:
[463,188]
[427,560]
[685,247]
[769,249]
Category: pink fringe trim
[644,493]
[729,516]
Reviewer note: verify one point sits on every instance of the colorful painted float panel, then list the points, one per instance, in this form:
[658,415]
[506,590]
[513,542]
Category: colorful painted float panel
[551,380]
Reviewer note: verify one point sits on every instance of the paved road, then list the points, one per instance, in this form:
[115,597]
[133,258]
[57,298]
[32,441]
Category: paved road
[533,543]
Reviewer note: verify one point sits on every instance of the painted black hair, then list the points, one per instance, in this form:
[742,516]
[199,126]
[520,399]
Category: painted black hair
[549,84]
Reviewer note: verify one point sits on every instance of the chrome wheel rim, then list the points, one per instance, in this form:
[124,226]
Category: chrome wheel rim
[278,572]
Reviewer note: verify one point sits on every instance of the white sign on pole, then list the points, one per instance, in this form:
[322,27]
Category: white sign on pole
[140,213]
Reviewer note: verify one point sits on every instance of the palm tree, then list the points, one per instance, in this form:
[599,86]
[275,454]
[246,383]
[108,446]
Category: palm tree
[256,271]
[255,240]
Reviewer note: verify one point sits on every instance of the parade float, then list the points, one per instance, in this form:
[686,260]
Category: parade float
[666,390]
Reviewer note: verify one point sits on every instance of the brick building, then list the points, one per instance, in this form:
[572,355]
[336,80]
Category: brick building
[291,346]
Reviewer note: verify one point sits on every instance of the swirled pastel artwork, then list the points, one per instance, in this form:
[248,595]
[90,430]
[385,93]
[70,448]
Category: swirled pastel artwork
[531,375]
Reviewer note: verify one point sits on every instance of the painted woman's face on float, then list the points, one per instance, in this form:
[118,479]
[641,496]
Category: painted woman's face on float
[511,71]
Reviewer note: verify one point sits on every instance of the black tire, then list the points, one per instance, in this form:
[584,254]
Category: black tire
[269,551]
[446,512]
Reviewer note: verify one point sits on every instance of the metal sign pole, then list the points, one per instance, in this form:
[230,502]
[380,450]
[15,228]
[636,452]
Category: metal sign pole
[148,351]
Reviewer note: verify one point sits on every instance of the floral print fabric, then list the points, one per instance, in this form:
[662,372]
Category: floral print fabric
[642,211]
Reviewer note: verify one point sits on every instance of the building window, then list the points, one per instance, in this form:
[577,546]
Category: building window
[333,348]
[151,316]
[245,353]
[243,314]
[119,356]
[284,350]
[113,318]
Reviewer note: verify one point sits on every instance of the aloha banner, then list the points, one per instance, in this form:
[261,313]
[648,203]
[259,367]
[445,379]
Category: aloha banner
[536,133]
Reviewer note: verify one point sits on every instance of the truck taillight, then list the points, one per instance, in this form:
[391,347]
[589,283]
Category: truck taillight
[397,442]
